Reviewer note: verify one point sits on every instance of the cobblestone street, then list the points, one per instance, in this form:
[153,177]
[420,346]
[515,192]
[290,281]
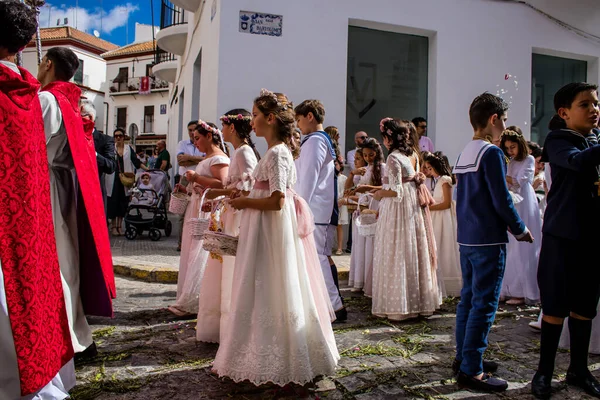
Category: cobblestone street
[146,353]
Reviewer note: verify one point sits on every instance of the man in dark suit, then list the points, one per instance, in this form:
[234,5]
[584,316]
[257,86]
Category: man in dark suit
[104,144]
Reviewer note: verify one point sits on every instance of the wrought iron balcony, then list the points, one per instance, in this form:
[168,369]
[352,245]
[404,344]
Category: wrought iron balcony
[171,14]
[173,33]
[132,85]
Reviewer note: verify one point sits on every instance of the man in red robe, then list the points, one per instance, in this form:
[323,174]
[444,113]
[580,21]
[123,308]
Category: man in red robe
[78,210]
[35,346]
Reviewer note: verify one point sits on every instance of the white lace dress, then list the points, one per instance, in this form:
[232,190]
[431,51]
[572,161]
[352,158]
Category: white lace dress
[444,228]
[274,333]
[404,282]
[215,293]
[361,257]
[520,276]
[192,262]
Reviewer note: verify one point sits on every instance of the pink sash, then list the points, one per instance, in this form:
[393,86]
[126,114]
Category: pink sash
[426,200]
[306,226]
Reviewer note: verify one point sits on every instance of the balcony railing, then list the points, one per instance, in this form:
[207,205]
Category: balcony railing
[171,15]
[162,56]
[133,85]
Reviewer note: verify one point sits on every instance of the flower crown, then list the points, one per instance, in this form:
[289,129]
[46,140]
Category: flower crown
[214,131]
[267,93]
[388,131]
[228,119]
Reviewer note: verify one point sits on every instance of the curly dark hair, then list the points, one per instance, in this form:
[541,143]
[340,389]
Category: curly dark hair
[283,111]
[439,162]
[373,144]
[399,133]
[243,128]
[17,25]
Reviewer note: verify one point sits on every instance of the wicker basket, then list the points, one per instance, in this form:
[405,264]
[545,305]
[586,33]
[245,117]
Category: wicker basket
[220,243]
[199,225]
[178,203]
[366,224]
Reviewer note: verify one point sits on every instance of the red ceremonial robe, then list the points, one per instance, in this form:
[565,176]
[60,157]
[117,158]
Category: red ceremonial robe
[32,284]
[97,280]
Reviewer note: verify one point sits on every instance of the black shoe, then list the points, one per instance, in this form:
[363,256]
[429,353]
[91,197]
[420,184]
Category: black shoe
[585,381]
[88,353]
[541,386]
[486,384]
[488,366]
[179,248]
[341,315]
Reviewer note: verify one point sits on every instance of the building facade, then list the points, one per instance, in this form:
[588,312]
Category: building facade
[369,60]
[136,99]
[91,75]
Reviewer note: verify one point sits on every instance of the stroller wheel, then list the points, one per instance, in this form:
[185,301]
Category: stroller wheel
[155,234]
[131,233]
[168,228]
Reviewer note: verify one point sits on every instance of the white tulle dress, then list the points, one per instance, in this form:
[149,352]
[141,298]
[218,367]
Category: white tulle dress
[215,293]
[444,228]
[520,276]
[279,326]
[192,262]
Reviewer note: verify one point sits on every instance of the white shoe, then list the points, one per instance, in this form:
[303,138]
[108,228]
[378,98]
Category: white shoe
[537,325]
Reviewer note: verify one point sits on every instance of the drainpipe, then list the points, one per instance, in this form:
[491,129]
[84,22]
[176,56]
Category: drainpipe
[106,118]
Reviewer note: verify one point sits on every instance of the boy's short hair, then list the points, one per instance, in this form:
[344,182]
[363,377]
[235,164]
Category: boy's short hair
[311,106]
[65,62]
[483,107]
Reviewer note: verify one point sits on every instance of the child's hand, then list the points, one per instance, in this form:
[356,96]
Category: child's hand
[359,171]
[190,175]
[509,180]
[378,195]
[239,203]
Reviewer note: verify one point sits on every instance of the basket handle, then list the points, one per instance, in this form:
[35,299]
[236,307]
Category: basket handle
[202,201]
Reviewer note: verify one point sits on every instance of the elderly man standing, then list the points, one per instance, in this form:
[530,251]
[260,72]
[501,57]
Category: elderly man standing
[104,144]
[188,157]
[163,160]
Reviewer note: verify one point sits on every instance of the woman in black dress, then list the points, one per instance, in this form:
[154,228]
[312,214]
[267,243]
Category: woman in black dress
[127,161]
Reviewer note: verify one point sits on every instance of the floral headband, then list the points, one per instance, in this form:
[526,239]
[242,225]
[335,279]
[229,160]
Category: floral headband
[228,119]
[273,96]
[388,131]
[214,131]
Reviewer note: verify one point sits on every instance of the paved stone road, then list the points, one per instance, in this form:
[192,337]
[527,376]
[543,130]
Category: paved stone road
[146,353]
[163,253]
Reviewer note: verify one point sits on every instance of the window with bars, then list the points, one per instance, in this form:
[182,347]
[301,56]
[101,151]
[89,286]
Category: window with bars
[148,119]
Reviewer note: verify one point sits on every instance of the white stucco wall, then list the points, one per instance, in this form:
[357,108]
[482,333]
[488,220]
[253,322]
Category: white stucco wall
[472,45]
[198,85]
[94,76]
[134,102]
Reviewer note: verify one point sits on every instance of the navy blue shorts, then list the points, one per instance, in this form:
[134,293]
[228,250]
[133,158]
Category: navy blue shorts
[568,277]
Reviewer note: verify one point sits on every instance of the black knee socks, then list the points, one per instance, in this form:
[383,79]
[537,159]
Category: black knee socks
[580,332]
[549,345]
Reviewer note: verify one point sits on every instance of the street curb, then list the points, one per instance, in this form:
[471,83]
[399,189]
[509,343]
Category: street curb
[158,274]
[162,273]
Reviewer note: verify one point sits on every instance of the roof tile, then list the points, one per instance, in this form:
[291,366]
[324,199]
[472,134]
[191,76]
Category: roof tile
[67,32]
[131,49]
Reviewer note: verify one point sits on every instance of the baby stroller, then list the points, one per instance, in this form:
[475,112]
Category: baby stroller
[148,209]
